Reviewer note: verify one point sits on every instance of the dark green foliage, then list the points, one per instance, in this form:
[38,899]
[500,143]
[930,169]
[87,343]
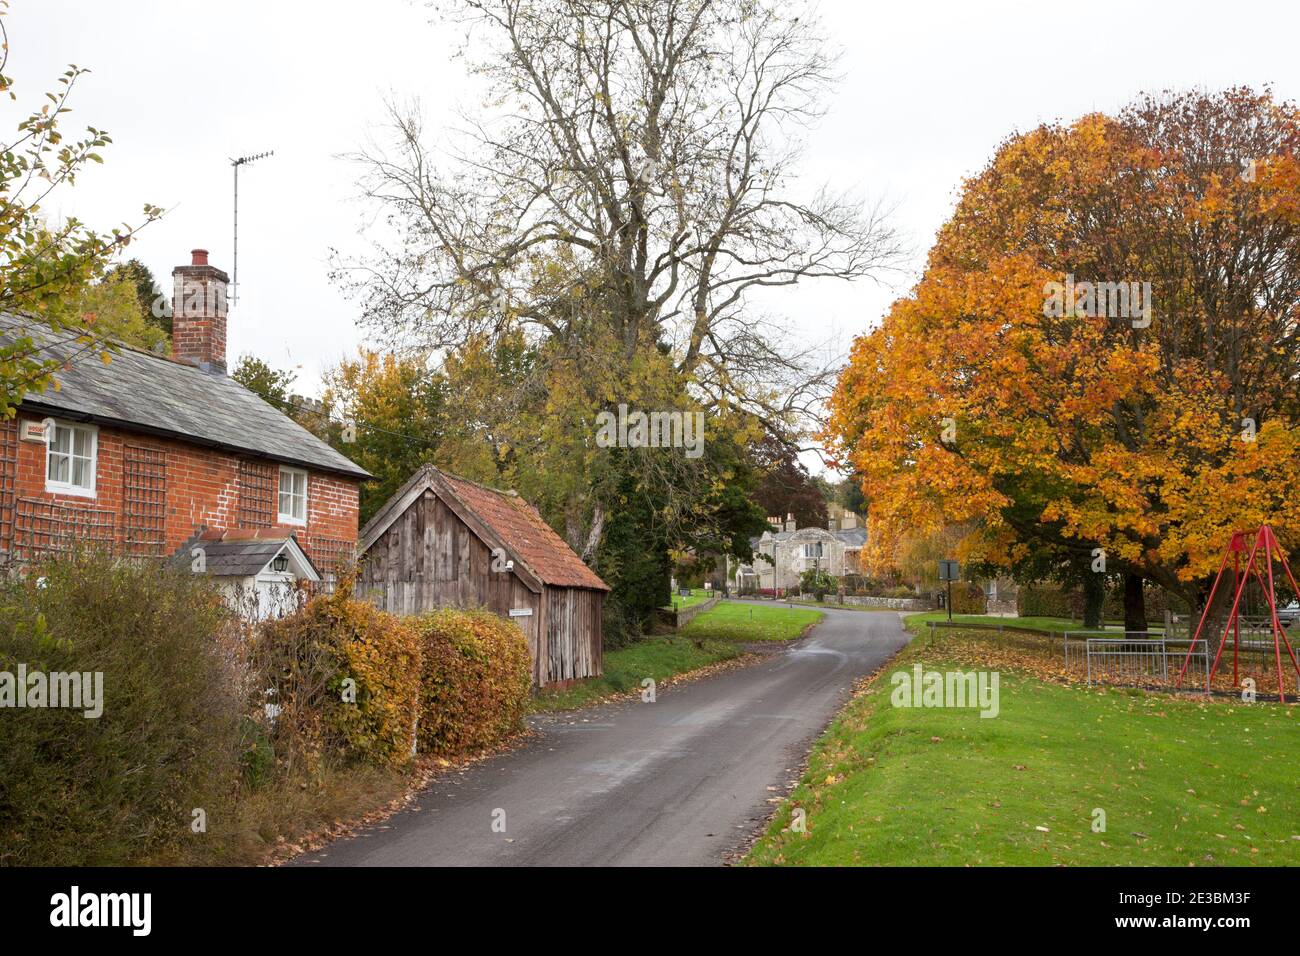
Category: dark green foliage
[271,384]
[817,582]
[258,755]
[1047,600]
[633,559]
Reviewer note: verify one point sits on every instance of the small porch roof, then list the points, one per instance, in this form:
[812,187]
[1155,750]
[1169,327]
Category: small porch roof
[245,553]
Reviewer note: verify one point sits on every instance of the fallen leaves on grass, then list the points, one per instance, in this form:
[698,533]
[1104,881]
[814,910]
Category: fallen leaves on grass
[1044,659]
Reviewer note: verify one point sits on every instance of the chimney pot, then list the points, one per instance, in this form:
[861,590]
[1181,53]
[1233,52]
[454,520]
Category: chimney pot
[200,257]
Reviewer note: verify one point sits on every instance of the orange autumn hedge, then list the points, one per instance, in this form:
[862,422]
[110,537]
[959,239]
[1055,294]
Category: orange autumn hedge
[475,680]
[343,677]
[347,680]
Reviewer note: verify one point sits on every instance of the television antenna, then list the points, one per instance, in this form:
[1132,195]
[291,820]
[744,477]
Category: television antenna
[241,161]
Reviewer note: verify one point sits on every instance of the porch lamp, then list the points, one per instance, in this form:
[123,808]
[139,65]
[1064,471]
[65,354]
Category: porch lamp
[280,563]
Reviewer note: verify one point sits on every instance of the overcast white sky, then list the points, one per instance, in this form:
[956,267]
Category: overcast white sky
[930,88]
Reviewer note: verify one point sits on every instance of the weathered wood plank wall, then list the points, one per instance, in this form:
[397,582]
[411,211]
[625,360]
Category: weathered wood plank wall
[573,632]
[429,558]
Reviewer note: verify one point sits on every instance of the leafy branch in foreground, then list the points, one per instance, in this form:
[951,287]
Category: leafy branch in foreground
[45,266]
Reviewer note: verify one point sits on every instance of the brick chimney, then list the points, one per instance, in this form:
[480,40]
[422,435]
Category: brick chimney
[199,314]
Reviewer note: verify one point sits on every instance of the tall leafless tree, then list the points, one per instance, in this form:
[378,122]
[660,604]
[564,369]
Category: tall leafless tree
[648,150]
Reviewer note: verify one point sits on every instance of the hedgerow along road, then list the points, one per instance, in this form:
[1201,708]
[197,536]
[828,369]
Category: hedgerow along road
[685,780]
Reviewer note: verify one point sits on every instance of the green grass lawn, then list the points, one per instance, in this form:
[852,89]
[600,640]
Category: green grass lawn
[1183,781]
[752,622]
[916,622]
[813,602]
[654,657]
[698,596]
[712,637]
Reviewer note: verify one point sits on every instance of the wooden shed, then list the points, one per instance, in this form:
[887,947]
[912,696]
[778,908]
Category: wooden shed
[445,541]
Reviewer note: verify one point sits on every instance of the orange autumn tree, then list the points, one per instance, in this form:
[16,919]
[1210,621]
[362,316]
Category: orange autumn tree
[1102,353]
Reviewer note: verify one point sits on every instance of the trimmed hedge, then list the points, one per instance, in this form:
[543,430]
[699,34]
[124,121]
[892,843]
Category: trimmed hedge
[968,598]
[343,678]
[902,591]
[475,680]
[1036,600]
[1045,600]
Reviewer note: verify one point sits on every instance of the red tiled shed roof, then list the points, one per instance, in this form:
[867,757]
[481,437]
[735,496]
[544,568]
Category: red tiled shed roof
[526,533]
[518,525]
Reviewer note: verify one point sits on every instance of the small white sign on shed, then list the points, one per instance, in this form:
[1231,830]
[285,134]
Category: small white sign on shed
[521,612]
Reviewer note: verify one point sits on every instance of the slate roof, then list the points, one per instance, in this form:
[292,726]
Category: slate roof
[237,552]
[852,537]
[152,393]
[520,527]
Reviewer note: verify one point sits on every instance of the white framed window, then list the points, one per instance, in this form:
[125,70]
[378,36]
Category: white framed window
[293,496]
[813,550]
[70,457]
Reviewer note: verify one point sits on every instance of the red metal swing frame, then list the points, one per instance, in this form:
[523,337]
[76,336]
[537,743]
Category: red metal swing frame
[1263,538]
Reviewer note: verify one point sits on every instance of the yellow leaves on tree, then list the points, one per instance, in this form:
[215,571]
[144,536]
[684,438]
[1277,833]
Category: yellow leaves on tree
[1150,434]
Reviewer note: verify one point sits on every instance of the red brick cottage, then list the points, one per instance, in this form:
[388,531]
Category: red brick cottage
[143,453]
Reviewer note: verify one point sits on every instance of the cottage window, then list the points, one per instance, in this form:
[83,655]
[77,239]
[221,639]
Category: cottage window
[293,496]
[70,459]
[813,550]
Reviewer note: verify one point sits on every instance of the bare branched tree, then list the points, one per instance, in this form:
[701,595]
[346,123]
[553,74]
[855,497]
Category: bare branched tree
[647,151]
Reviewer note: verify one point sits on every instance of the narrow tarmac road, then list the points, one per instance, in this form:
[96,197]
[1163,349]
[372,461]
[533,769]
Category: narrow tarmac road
[682,781]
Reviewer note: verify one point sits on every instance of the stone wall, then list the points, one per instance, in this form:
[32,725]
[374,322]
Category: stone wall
[688,614]
[895,604]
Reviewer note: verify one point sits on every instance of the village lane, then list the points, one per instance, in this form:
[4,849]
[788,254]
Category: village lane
[685,780]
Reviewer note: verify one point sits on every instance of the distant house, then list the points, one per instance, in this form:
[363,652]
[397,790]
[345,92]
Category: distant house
[851,531]
[445,541]
[784,553]
[143,454]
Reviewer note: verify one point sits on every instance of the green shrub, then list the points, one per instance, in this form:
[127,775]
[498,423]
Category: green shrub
[968,598]
[120,788]
[1039,600]
[1157,600]
[620,626]
[901,591]
[344,676]
[1051,600]
[817,582]
[258,757]
[475,681]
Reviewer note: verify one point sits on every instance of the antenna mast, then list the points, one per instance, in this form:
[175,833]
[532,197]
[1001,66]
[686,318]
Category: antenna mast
[241,161]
